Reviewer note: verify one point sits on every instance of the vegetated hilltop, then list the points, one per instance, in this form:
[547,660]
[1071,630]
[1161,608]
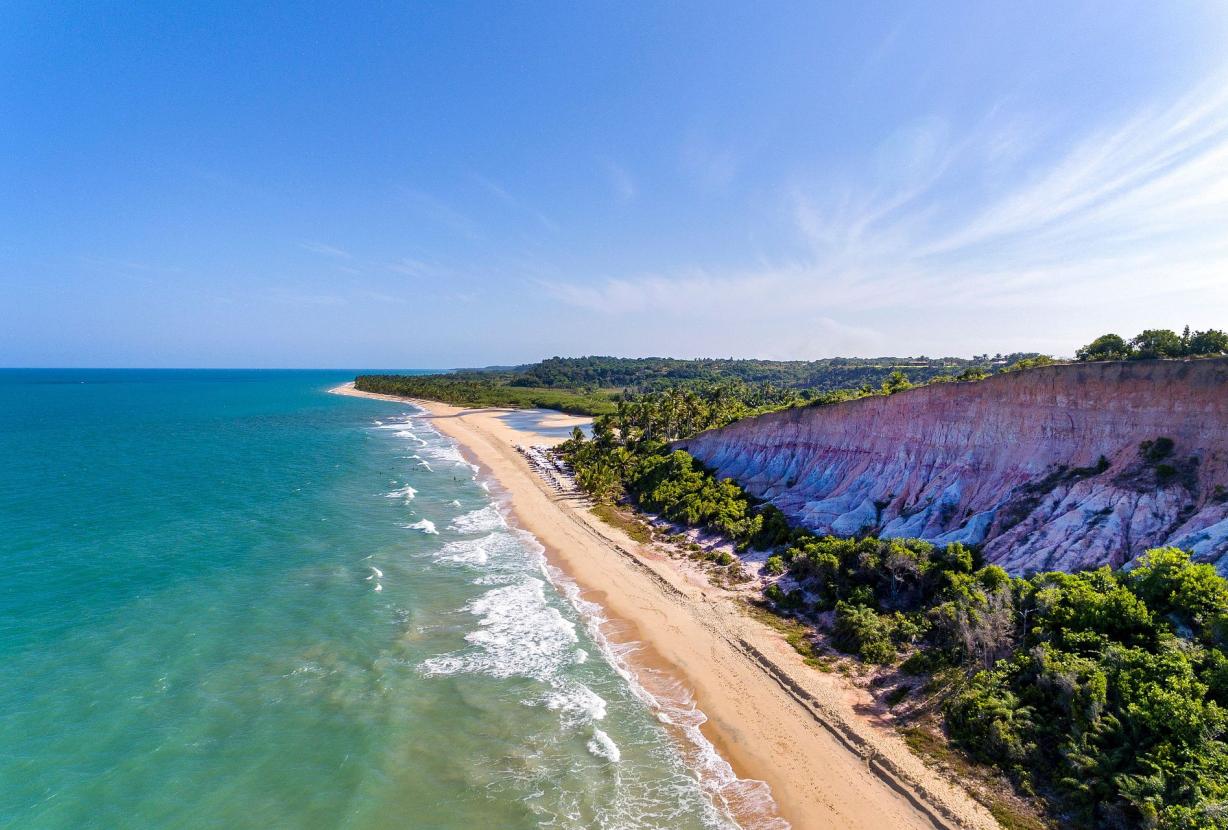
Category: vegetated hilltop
[592,385]
[1060,467]
[1102,695]
[645,373]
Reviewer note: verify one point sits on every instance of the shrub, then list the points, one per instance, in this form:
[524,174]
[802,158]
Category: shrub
[1105,347]
[1156,450]
[861,631]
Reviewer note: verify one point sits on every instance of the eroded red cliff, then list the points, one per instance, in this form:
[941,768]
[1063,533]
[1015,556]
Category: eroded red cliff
[1042,467]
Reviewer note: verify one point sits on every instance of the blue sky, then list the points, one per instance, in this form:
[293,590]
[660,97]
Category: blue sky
[464,184]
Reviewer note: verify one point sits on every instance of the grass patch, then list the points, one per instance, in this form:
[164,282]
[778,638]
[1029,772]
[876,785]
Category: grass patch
[1011,814]
[1012,818]
[924,742]
[796,634]
[625,522]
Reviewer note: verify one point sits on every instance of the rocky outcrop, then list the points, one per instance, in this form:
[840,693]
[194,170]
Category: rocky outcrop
[1061,467]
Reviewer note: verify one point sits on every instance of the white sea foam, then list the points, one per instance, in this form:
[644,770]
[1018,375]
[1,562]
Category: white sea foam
[407,493]
[455,503]
[603,746]
[466,552]
[447,453]
[675,707]
[520,635]
[576,702]
[482,520]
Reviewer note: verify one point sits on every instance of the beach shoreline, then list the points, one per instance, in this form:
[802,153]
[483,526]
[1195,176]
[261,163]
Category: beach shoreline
[771,717]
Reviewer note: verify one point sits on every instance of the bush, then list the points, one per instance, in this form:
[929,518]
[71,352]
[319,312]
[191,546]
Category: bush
[791,601]
[1105,347]
[861,631]
[1154,343]
[1156,450]
[924,661]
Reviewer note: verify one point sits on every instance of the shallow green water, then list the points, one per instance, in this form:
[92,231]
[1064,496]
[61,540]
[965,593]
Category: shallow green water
[221,607]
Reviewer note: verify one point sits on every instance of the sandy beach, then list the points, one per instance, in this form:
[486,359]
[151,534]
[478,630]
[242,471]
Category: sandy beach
[772,717]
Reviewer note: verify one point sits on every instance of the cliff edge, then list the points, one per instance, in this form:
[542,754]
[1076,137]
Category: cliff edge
[1056,468]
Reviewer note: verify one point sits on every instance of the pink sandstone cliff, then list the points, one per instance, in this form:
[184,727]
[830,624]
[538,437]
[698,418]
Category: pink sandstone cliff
[1012,463]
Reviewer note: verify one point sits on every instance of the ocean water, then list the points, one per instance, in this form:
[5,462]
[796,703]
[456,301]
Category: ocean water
[232,600]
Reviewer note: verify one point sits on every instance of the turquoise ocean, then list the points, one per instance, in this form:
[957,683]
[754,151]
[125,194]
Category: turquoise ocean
[229,599]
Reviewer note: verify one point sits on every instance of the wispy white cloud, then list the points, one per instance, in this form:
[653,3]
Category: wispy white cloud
[324,250]
[711,167]
[877,56]
[382,297]
[411,267]
[620,180]
[1132,216]
[439,212]
[504,195]
[294,297]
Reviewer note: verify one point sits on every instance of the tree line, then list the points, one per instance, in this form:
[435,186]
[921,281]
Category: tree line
[463,390]
[1156,343]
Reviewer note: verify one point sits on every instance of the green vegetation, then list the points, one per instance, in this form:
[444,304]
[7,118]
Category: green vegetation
[796,634]
[1156,343]
[593,385]
[1111,693]
[1102,692]
[620,519]
[654,373]
[463,390]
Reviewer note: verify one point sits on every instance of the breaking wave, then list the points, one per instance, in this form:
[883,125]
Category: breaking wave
[407,493]
[482,520]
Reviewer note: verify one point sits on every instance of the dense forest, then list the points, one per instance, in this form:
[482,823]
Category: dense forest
[594,385]
[1102,692]
[649,373]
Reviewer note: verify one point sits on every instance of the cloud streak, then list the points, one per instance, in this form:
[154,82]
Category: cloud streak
[504,195]
[621,182]
[324,250]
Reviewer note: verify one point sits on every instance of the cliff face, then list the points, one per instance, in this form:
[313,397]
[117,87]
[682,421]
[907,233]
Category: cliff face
[1043,467]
